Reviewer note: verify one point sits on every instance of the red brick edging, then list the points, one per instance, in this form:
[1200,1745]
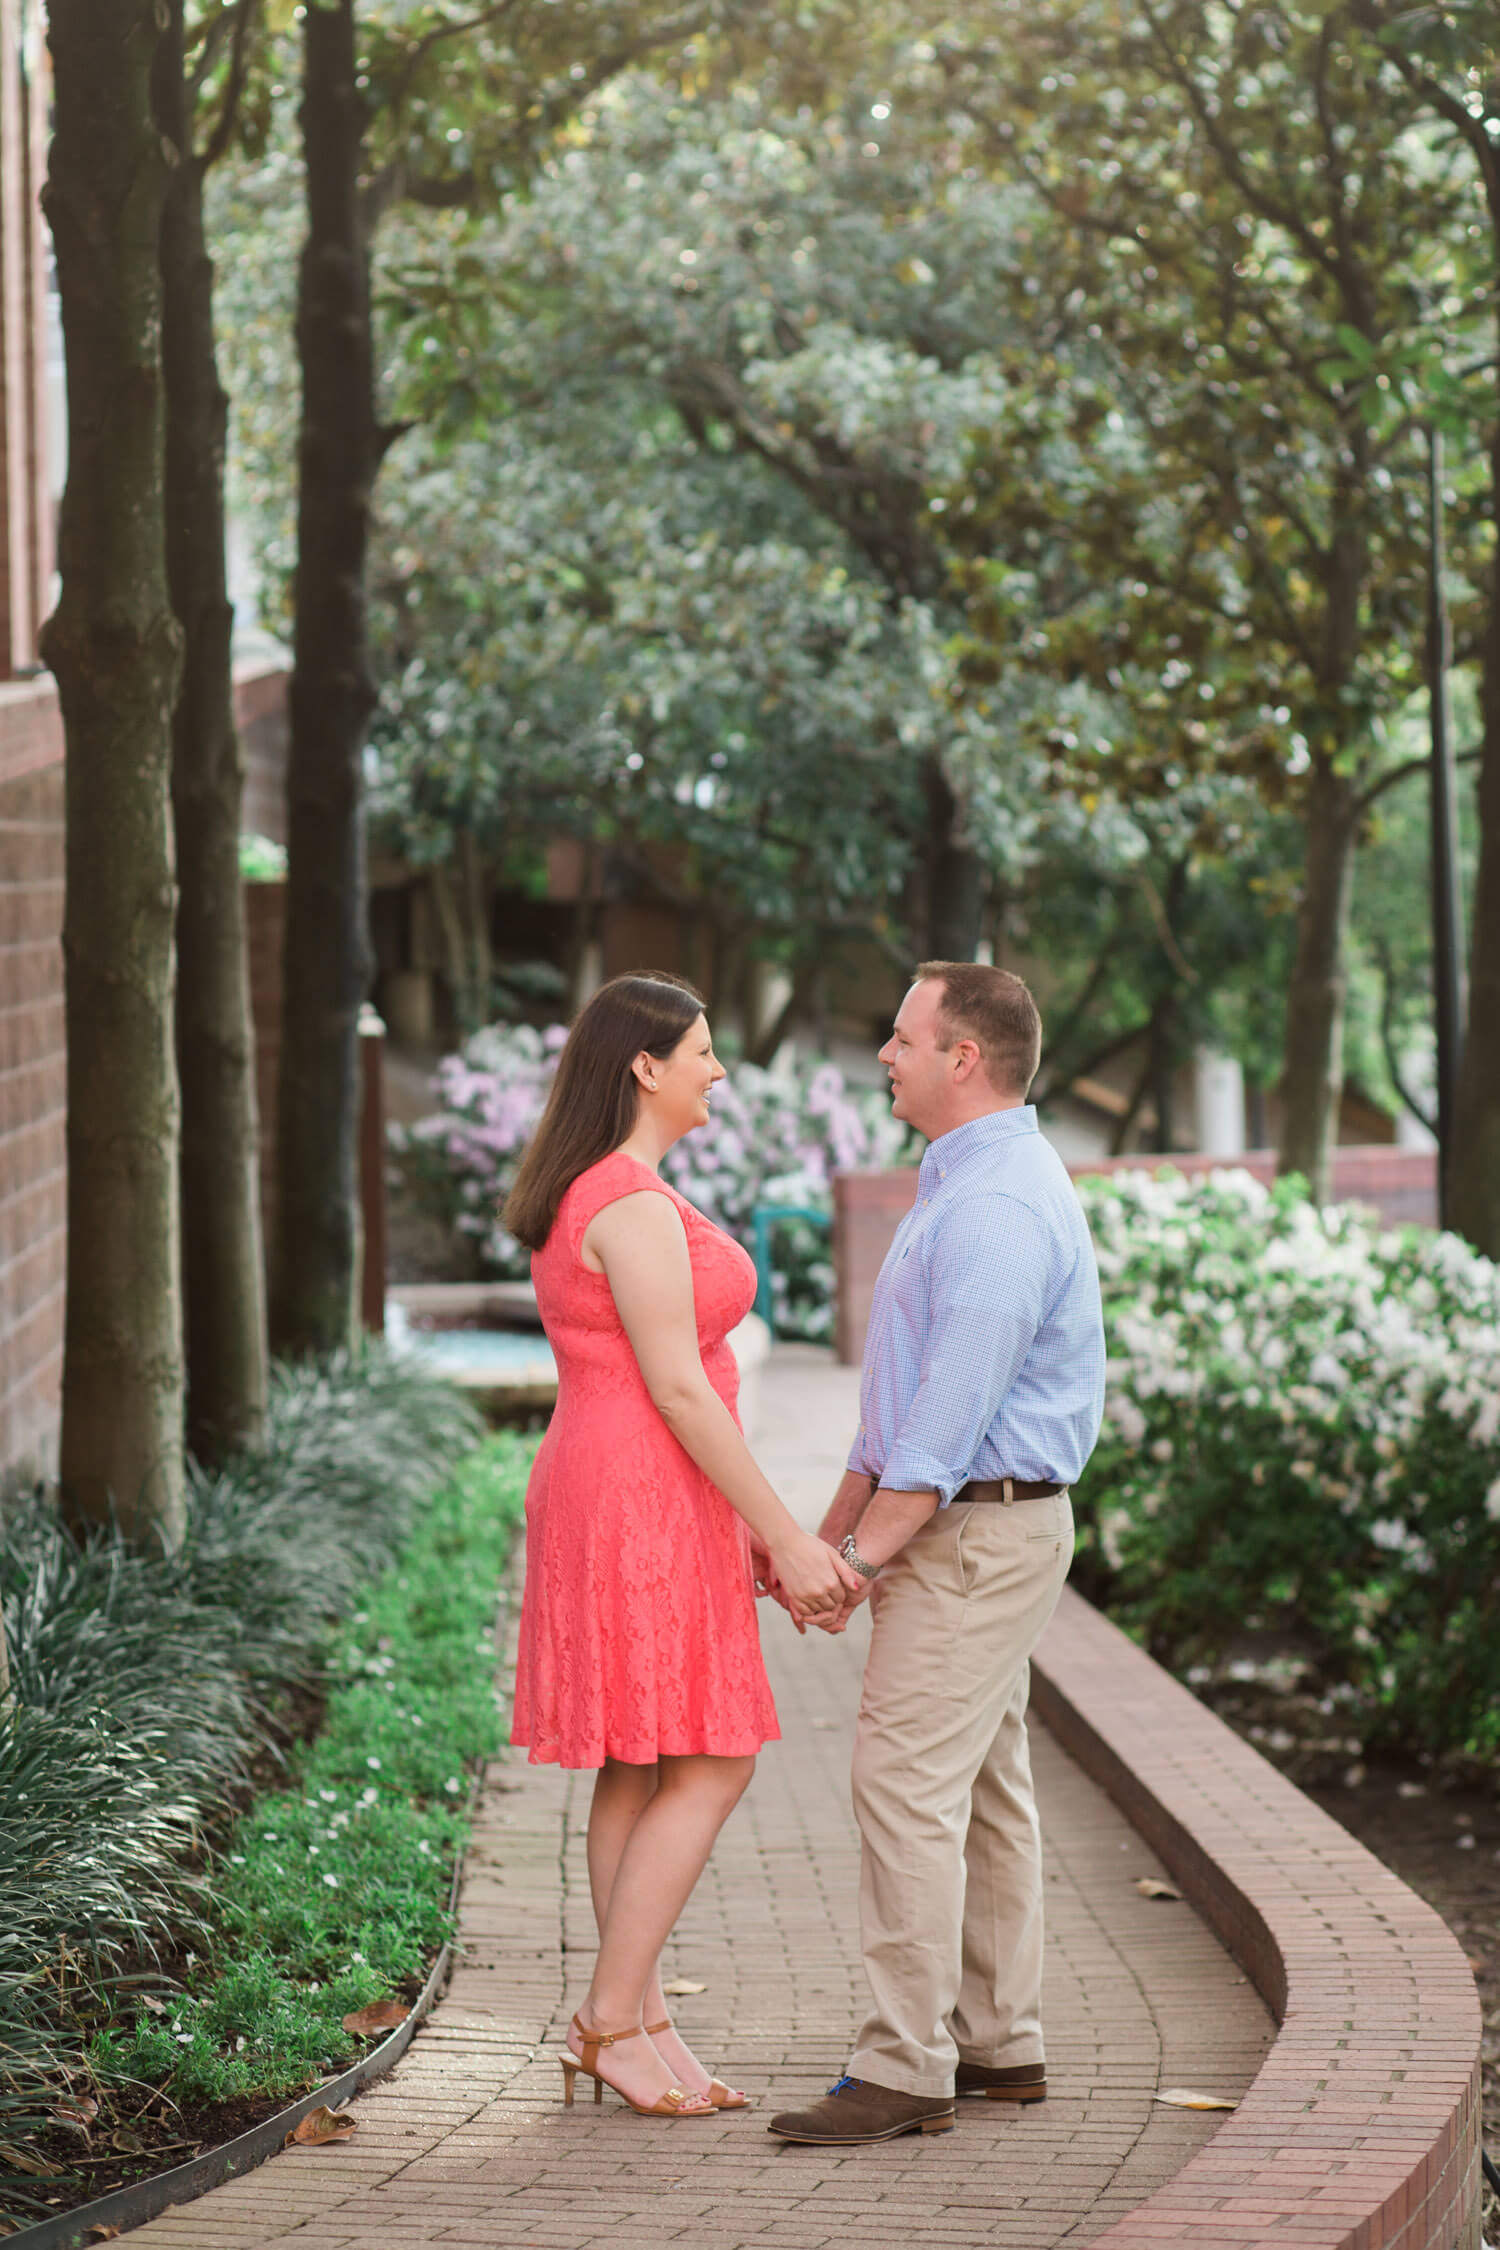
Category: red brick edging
[1362,2130]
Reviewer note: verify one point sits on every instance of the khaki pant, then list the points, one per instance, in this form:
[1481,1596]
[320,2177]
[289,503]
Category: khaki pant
[950,1894]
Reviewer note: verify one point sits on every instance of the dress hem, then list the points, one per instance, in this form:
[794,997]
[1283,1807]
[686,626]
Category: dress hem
[638,1756]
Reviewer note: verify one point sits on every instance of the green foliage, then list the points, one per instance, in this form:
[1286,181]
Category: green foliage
[1302,1450]
[333,1892]
[1226,543]
[1036,403]
[261,860]
[143,1686]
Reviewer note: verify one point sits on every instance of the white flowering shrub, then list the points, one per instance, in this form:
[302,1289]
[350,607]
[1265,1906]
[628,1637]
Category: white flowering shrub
[773,1139]
[1302,1438]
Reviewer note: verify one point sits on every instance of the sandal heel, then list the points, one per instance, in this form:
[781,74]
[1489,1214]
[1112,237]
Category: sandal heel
[674,2102]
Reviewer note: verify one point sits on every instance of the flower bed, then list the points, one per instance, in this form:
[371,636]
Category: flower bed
[150,1695]
[774,1139]
[1300,1460]
[331,1894]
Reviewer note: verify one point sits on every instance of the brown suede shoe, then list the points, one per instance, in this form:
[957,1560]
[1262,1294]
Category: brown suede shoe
[854,2110]
[1022,2082]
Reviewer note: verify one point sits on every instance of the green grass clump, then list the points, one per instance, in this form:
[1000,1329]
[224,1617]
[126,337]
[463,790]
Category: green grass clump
[333,1892]
[144,1686]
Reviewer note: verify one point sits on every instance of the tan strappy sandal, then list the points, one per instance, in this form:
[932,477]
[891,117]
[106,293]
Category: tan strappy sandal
[722,2096]
[674,2102]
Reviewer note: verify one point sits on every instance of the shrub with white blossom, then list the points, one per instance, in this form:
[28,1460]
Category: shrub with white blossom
[1302,1443]
[774,1138]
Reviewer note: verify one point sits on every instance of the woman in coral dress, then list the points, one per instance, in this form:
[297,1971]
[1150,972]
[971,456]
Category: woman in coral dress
[640,1646]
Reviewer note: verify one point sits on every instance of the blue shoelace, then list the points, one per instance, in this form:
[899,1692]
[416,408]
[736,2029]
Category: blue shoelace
[845,2082]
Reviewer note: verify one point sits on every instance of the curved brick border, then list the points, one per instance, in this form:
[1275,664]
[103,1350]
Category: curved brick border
[1362,2130]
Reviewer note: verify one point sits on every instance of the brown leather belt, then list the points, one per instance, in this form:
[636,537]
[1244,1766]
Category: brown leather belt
[1006,1489]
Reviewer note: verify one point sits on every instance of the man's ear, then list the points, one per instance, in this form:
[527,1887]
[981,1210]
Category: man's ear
[967,1059]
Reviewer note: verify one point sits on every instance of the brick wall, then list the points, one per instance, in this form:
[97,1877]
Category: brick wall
[1401,1183]
[33,1060]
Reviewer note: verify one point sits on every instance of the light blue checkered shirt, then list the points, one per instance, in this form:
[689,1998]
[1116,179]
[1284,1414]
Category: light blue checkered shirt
[985,1351]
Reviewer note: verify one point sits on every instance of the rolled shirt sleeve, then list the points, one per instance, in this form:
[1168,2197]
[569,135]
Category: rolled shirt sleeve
[989,1270]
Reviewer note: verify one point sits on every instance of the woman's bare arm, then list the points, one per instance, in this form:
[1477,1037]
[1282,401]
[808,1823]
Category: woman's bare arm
[641,1246]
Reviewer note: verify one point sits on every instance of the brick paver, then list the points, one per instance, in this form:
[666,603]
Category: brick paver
[468,2142]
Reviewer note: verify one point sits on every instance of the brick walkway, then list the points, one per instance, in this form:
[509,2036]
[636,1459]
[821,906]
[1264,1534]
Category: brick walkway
[468,2142]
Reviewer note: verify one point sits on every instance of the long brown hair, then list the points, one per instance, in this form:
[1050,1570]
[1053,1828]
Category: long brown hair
[592,1106]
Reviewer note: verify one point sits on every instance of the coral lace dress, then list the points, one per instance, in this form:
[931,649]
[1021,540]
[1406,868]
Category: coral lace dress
[639,1637]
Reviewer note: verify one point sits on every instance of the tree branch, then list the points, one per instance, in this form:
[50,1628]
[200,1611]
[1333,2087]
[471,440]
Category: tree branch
[1388,1040]
[454,28]
[1285,215]
[213,40]
[239,68]
[1404,772]
[1448,107]
[1053,1089]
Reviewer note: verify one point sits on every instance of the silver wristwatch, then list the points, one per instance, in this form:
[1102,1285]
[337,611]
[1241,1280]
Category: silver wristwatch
[855,1559]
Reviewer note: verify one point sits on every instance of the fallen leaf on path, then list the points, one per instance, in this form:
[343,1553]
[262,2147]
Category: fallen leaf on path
[319,2126]
[104,2234]
[380,2015]
[1182,2097]
[1152,1886]
[680,1986]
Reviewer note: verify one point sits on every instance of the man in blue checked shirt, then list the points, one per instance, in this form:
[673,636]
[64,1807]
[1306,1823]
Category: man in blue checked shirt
[981,1400]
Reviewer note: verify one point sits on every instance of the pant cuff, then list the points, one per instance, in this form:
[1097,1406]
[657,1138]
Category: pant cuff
[877,2071]
[1008,2058]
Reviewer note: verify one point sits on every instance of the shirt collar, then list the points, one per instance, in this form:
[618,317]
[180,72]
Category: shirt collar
[950,1150]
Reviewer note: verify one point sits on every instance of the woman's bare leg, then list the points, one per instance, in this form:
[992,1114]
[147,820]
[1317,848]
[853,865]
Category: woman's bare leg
[621,1794]
[663,1852]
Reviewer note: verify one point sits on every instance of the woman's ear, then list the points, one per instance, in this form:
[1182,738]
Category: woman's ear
[643,1068]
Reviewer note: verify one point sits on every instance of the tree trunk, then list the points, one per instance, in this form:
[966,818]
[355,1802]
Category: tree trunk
[223,1285]
[476,893]
[1163,1070]
[113,645]
[955,877]
[581,936]
[763,1047]
[1474,1159]
[332,696]
[1313,1075]
[460,894]
[1125,1124]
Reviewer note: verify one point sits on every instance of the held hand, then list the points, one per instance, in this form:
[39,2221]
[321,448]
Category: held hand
[814,1579]
[763,1571]
[869,1590]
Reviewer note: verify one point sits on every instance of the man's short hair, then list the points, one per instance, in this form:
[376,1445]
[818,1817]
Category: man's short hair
[994,1009]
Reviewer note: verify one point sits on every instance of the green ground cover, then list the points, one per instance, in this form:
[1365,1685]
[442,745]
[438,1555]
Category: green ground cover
[233,1780]
[333,1892]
